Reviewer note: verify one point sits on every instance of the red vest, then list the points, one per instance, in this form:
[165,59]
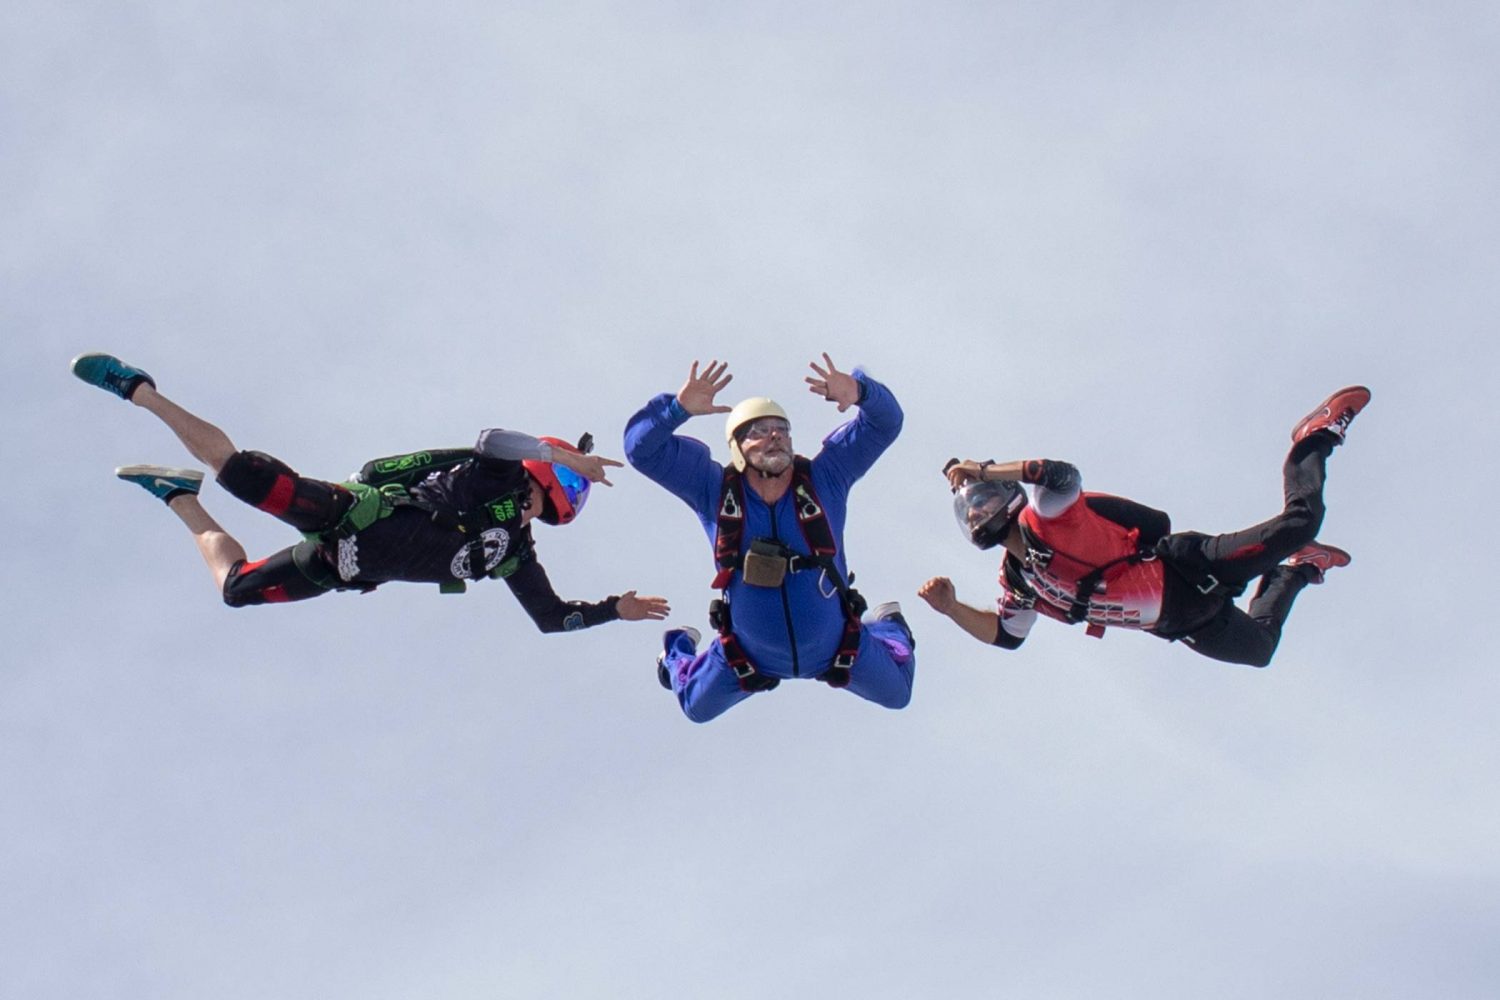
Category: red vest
[1065,549]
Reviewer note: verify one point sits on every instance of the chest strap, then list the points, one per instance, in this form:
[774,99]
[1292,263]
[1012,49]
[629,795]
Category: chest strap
[1039,555]
[375,503]
[812,519]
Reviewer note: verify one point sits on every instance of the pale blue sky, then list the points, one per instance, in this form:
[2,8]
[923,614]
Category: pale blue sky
[1145,238]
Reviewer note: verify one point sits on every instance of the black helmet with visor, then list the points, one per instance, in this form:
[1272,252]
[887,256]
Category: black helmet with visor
[986,510]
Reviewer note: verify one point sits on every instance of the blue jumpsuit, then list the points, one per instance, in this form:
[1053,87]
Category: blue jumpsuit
[791,631]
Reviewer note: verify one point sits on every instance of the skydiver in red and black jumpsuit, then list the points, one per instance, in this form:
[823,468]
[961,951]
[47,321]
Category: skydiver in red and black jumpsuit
[1110,562]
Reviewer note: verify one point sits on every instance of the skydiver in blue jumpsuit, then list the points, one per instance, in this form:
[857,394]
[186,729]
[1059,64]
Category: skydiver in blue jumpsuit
[806,625]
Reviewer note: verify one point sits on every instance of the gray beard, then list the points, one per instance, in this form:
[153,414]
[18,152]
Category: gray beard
[772,466]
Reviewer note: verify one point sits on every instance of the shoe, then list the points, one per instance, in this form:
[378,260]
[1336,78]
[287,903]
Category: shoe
[1319,558]
[162,482]
[890,611]
[668,640]
[110,373]
[1334,414]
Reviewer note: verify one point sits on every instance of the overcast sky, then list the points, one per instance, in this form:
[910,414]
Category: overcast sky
[1142,237]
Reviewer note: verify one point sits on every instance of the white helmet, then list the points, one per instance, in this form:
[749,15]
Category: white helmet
[751,409]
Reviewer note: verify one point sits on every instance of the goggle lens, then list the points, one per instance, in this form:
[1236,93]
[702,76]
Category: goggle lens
[764,427]
[575,487]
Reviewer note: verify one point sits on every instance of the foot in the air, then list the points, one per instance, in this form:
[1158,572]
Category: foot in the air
[110,374]
[1334,414]
[1318,558]
[668,641]
[162,482]
[890,611]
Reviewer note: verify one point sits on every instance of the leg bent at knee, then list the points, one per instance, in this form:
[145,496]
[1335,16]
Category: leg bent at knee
[269,484]
[1232,636]
[277,579]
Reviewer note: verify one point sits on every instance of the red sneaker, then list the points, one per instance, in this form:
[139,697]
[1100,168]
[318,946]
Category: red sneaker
[1334,414]
[1320,557]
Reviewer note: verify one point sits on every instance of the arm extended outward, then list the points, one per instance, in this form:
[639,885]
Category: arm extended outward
[1049,474]
[553,614]
[989,627]
[516,446]
[1057,484]
[683,465]
[852,448]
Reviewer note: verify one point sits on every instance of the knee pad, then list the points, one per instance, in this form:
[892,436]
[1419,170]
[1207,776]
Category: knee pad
[289,575]
[242,587]
[269,484]
[253,476]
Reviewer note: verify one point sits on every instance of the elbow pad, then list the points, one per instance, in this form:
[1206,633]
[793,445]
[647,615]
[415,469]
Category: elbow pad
[1059,477]
[1005,640]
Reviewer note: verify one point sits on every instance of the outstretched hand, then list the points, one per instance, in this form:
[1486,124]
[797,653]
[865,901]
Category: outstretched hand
[833,385]
[698,392]
[633,609]
[590,467]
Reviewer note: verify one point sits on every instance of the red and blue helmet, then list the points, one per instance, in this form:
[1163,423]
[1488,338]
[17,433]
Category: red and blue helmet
[564,491]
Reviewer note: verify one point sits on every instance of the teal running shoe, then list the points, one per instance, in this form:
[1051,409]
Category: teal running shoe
[110,373]
[162,482]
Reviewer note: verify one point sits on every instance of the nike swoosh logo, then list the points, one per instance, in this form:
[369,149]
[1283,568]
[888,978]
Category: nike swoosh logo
[167,483]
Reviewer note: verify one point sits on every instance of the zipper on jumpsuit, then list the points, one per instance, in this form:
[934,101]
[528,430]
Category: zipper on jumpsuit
[786,605]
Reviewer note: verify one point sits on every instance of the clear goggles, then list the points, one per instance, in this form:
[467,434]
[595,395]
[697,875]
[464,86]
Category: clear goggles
[985,510]
[763,427]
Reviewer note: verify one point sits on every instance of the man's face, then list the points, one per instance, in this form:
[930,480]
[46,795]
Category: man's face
[767,444]
[536,504]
